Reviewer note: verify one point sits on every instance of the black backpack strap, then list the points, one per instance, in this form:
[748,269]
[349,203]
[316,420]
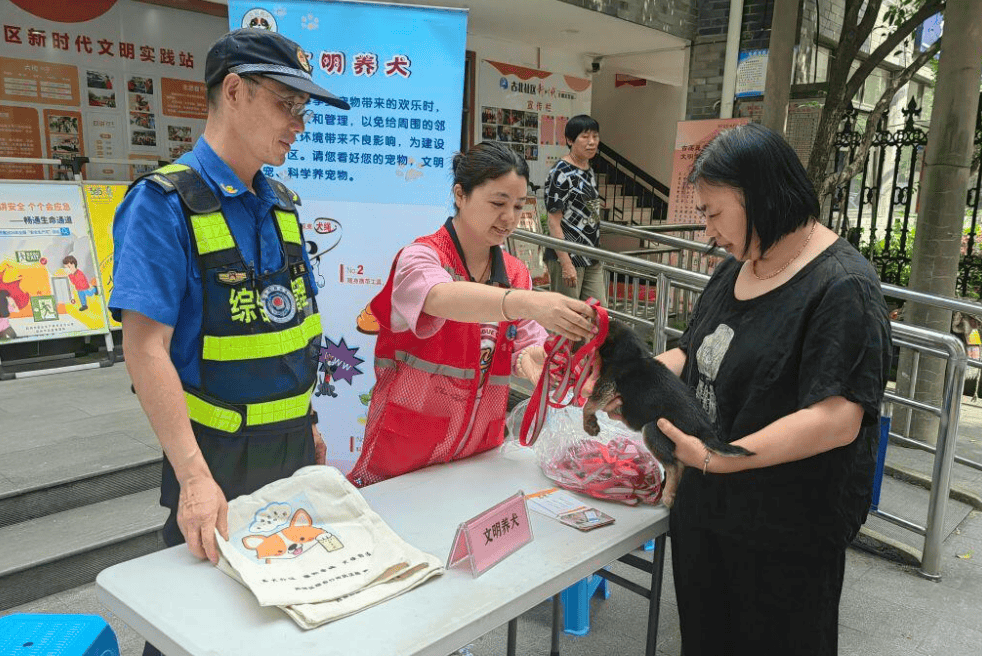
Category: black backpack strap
[188,183]
[196,199]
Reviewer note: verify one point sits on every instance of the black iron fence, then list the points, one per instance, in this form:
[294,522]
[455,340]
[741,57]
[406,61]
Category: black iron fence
[877,209]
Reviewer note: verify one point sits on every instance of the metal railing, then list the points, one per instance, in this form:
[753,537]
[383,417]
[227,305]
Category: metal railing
[947,346]
[75,164]
[921,340]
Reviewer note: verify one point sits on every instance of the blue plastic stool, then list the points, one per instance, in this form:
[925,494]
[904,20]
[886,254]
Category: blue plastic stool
[576,603]
[576,600]
[56,635]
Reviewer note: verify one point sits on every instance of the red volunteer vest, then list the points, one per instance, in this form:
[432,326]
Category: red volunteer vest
[426,389]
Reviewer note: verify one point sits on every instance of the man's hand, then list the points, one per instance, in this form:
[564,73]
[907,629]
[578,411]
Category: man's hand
[320,449]
[201,509]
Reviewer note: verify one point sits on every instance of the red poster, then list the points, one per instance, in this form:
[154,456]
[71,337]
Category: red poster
[28,80]
[184,98]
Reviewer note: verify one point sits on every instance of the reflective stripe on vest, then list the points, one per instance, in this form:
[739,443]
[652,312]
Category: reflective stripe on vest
[438,369]
[289,227]
[229,420]
[170,168]
[263,345]
[424,365]
[211,233]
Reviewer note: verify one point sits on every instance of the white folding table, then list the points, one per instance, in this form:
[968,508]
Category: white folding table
[185,606]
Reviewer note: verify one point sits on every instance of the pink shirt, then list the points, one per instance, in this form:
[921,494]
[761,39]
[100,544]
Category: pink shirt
[417,272]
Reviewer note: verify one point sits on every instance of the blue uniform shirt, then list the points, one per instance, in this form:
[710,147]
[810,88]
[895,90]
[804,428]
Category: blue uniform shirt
[155,271]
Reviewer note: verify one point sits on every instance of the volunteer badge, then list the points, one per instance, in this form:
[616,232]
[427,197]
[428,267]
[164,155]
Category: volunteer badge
[280,305]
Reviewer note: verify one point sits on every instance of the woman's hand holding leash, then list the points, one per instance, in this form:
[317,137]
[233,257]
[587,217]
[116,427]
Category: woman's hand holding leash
[560,314]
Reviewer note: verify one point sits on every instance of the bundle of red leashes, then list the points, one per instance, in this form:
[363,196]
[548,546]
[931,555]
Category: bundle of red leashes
[620,469]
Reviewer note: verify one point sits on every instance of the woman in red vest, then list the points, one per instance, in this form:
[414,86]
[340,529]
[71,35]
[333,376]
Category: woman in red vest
[457,318]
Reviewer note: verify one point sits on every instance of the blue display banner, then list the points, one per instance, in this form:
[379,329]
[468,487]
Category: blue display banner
[401,70]
[373,178]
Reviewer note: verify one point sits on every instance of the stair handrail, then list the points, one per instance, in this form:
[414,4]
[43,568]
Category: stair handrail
[951,348]
[640,174]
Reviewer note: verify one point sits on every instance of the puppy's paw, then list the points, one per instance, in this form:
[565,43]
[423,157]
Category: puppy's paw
[590,424]
[673,475]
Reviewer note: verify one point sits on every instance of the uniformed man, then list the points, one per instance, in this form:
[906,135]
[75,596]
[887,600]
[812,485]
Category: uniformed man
[214,290]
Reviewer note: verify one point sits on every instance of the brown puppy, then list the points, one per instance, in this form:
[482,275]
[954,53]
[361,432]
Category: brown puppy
[650,391]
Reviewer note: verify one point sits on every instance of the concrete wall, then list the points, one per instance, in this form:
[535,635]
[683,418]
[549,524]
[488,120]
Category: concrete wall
[640,122]
[709,50]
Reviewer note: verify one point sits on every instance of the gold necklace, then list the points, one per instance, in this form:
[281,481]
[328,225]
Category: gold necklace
[753,263]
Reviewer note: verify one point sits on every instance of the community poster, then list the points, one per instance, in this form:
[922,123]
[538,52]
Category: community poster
[528,109]
[690,138]
[751,73]
[107,79]
[371,179]
[49,284]
[101,201]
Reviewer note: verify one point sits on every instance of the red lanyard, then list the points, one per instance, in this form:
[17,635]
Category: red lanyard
[562,372]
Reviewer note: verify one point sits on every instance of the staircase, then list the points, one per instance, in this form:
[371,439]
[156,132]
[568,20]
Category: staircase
[79,481]
[631,195]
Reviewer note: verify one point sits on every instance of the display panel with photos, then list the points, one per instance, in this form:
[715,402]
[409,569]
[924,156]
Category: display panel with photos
[517,128]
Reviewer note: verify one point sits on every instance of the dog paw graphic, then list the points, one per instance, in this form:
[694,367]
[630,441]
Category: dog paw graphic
[414,171]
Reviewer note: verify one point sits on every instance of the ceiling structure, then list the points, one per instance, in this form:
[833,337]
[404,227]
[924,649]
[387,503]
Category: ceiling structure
[622,46]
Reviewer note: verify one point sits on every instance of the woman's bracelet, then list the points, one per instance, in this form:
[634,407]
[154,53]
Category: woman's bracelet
[503,297]
[705,463]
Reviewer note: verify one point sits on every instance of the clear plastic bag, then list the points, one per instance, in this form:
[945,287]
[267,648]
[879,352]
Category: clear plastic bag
[615,465]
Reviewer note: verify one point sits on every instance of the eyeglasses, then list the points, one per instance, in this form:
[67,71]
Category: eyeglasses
[297,110]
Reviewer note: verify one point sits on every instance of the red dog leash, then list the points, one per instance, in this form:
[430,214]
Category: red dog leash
[561,372]
[620,470]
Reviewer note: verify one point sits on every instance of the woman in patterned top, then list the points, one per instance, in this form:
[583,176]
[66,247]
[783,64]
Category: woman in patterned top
[573,203]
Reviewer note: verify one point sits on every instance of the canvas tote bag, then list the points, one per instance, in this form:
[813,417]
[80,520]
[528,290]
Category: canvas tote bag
[312,545]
